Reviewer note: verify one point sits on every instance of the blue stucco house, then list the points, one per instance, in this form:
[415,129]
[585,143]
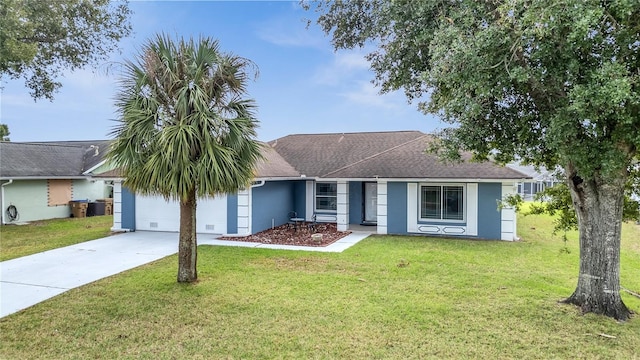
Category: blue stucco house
[381,179]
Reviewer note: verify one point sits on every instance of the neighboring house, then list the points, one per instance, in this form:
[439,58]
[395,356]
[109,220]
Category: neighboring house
[381,179]
[39,179]
[538,180]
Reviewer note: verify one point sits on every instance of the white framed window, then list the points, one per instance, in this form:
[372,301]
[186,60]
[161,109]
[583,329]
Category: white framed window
[442,202]
[326,196]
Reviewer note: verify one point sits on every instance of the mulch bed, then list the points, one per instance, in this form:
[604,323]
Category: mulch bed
[285,235]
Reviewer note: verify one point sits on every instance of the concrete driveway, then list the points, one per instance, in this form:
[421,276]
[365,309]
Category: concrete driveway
[31,279]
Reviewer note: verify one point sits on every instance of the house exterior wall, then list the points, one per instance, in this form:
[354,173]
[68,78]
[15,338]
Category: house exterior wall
[382,208]
[482,218]
[397,208]
[128,204]
[355,202]
[30,197]
[89,190]
[342,211]
[489,215]
[508,215]
[232,214]
[271,204]
[467,227]
[117,206]
[299,196]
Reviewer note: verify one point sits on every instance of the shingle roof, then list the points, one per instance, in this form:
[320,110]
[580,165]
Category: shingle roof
[273,165]
[383,154]
[49,159]
[398,154]
[319,154]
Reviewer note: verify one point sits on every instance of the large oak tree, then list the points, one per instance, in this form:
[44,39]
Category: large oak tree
[39,39]
[185,129]
[550,82]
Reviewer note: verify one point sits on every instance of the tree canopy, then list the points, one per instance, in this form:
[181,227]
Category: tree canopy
[4,132]
[40,39]
[185,128]
[548,82]
[541,80]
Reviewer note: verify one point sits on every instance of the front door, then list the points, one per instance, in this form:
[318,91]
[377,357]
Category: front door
[370,203]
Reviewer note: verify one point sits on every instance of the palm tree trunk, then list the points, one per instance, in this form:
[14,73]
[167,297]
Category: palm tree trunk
[188,246]
[599,207]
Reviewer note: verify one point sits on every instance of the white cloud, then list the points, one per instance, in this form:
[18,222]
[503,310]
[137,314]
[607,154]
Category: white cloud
[367,94]
[89,79]
[345,65]
[291,33]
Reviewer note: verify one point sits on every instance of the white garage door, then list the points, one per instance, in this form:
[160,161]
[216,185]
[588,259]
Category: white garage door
[154,213]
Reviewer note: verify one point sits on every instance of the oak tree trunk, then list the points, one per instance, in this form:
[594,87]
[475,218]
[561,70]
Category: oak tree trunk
[188,246]
[598,203]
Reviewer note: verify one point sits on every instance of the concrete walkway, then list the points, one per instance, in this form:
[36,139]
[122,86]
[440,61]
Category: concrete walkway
[31,279]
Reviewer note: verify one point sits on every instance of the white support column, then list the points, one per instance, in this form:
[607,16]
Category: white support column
[343,206]
[412,207]
[472,209]
[382,207]
[310,195]
[117,206]
[508,215]
[244,212]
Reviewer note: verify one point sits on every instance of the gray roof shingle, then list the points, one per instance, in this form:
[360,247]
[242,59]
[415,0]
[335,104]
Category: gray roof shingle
[273,165]
[319,154]
[49,159]
[384,154]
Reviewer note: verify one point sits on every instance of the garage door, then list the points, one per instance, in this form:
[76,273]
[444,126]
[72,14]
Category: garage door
[154,213]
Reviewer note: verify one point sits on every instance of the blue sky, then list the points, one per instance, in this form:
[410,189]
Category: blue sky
[303,86]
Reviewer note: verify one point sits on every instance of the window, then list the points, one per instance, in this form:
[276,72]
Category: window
[326,196]
[442,202]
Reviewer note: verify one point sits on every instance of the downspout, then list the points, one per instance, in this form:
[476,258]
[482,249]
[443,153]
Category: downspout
[260,183]
[3,209]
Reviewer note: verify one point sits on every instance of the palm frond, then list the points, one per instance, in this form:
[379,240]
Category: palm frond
[184,122]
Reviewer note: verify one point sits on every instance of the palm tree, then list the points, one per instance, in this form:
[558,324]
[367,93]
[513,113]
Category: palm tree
[184,129]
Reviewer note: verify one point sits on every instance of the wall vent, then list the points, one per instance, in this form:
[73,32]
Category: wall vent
[209,227]
[153,225]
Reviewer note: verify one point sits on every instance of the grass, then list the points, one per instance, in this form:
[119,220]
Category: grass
[387,297]
[38,236]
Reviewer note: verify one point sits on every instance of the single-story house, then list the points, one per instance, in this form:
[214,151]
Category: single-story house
[538,179]
[38,180]
[384,180]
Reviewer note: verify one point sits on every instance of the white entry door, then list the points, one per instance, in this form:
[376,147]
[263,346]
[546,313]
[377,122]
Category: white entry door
[370,202]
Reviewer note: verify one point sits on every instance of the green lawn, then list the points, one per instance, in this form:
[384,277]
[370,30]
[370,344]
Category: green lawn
[38,236]
[387,297]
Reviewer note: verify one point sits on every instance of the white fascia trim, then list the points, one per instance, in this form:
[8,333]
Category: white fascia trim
[375,179]
[451,180]
[280,178]
[106,178]
[94,167]
[45,178]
